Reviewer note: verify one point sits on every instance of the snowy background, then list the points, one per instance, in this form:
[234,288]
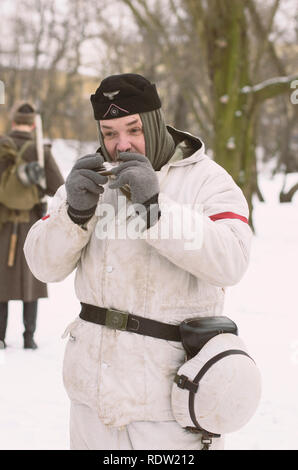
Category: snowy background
[34,408]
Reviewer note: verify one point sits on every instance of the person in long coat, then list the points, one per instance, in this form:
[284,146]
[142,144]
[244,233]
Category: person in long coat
[17,281]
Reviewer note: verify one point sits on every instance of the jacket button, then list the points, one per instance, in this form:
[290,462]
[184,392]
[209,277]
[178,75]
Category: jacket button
[104,365]
[109,269]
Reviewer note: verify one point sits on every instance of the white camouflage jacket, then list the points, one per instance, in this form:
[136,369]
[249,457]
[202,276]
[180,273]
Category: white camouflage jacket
[171,272]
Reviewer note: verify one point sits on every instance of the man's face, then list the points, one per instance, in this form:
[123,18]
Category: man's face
[123,134]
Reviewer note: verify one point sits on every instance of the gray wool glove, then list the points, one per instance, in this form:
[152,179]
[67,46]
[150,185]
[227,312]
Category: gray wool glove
[136,171]
[83,187]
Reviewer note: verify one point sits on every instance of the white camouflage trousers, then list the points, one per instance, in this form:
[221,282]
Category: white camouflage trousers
[87,432]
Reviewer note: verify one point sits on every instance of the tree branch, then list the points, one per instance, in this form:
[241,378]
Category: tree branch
[263,34]
[287,197]
[269,88]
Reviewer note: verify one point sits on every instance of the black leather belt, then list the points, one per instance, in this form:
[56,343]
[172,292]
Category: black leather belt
[119,320]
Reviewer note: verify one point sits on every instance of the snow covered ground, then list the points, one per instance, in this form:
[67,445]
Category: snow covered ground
[34,407]
[265,307]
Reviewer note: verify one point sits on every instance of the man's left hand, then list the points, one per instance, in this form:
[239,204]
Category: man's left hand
[136,171]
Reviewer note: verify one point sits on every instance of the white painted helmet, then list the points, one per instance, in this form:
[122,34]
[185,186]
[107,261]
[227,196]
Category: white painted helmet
[219,389]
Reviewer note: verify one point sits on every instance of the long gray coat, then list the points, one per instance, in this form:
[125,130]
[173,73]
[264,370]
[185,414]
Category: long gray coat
[17,282]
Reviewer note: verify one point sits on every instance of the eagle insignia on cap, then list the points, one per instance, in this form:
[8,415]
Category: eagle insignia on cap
[111,94]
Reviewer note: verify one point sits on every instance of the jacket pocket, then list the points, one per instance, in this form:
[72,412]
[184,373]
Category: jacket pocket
[81,362]
[69,329]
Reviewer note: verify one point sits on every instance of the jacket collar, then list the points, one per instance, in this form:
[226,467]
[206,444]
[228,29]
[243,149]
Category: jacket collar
[180,136]
[21,135]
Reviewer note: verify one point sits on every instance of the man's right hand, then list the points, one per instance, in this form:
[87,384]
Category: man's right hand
[83,187]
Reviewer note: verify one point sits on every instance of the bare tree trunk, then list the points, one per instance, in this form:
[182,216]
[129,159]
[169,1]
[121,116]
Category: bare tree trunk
[180,116]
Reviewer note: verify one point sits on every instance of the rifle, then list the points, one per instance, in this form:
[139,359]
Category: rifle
[40,156]
[42,184]
[12,245]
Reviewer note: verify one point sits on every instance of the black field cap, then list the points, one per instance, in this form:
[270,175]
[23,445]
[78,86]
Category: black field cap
[123,95]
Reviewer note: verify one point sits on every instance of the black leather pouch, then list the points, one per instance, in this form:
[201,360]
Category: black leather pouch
[195,332]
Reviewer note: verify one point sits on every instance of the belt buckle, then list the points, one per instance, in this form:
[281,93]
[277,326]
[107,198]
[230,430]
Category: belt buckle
[116,319]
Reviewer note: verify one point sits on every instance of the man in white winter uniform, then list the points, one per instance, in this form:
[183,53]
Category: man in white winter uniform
[192,240]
